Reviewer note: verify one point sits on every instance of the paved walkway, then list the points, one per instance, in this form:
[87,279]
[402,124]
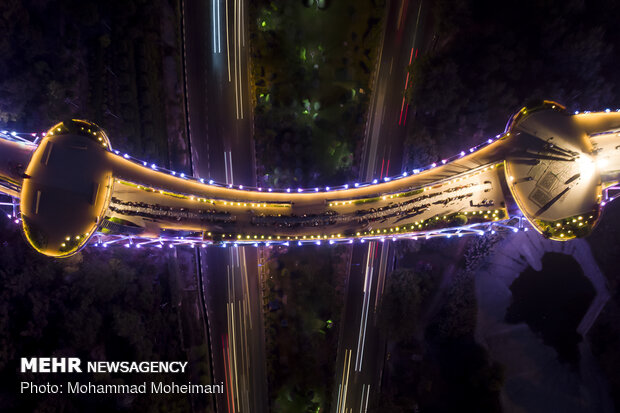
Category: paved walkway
[535,380]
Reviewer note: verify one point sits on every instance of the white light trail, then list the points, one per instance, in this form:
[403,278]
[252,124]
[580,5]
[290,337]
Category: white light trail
[361,340]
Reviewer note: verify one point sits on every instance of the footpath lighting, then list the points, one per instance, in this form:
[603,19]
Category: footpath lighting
[356,185]
[327,188]
[240,186]
[299,190]
[374,181]
[202,181]
[126,156]
[316,189]
[288,189]
[210,181]
[153,166]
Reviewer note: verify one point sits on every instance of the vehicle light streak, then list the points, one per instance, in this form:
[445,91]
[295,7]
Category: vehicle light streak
[217,48]
[229,401]
[364,405]
[227,42]
[361,340]
[344,384]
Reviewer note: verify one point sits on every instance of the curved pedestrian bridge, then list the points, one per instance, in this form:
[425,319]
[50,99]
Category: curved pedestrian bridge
[549,166]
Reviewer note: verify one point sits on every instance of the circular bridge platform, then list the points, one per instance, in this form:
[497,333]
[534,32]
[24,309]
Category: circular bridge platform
[66,188]
[552,173]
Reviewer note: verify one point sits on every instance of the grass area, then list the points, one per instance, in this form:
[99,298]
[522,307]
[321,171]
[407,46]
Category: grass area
[304,298]
[569,228]
[311,77]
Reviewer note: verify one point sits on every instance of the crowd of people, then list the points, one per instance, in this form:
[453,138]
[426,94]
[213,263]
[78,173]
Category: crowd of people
[157,211]
[363,218]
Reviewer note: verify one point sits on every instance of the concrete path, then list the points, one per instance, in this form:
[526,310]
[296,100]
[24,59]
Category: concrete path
[535,380]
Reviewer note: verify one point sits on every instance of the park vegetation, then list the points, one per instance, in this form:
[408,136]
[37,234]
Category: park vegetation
[303,302]
[310,78]
[116,63]
[107,305]
[435,353]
